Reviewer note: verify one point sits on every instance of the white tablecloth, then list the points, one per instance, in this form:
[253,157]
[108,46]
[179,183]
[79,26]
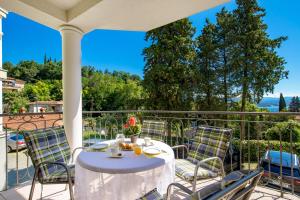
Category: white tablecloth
[99,177]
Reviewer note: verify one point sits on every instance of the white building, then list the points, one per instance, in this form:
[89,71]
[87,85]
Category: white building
[49,106]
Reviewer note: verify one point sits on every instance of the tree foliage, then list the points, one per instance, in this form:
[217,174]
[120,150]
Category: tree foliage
[258,66]
[294,105]
[13,101]
[111,91]
[282,104]
[168,72]
[206,67]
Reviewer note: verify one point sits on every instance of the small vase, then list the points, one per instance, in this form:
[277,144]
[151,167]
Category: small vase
[133,138]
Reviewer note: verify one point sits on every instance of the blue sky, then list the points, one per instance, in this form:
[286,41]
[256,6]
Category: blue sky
[122,50]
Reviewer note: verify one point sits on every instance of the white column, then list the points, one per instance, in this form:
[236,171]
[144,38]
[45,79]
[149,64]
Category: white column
[3,163]
[72,101]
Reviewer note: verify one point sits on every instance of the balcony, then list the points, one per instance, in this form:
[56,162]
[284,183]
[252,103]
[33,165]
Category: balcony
[249,144]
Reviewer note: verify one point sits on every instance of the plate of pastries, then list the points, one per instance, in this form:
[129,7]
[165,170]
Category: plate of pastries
[125,146]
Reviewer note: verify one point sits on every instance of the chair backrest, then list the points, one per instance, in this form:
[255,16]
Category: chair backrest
[47,145]
[210,142]
[154,129]
[236,185]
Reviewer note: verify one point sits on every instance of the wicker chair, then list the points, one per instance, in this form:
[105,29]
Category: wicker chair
[154,129]
[205,156]
[50,154]
[236,185]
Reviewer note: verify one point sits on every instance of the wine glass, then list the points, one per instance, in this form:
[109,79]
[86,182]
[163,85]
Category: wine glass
[120,138]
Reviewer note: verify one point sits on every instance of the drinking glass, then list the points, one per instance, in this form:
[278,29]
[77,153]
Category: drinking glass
[137,150]
[120,138]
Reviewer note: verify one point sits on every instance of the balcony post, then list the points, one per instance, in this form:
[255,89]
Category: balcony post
[3,158]
[72,100]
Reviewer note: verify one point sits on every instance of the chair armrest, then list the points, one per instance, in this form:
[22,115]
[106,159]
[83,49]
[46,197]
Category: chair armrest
[74,151]
[180,147]
[210,159]
[183,188]
[37,168]
[204,161]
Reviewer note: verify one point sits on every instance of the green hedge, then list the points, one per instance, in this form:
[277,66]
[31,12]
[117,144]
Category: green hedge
[259,147]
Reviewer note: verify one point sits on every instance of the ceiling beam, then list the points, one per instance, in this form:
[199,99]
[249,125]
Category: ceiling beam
[46,14]
[80,8]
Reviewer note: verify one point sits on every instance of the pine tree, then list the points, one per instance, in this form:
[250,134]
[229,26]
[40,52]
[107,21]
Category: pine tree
[255,57]
[225,70]
[205,67]
[292,105]
[45,59]
[297,104]
[282,104]
[167,72]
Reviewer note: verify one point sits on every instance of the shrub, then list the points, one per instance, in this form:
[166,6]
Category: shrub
[258,148]
[286,129]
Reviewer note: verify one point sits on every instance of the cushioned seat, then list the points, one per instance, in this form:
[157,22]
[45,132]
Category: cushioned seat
[207,151]
[60,175]
[186,169]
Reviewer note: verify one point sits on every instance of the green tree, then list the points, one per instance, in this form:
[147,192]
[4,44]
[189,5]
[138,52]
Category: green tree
[292,105]
[168,72]
[56,91]
[45,59]
[88,71]
[39,91]
[9,67]
[13,101]
[225,70]
[26,70]
[282,104]
[297,104]
[205,64]
[105,91]
[258,65]
[50,71]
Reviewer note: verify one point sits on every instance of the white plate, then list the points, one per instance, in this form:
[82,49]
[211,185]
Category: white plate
[149,144]
[99,146]
[152,151]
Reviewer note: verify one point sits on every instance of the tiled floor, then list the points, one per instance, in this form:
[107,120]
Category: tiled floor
[58,192]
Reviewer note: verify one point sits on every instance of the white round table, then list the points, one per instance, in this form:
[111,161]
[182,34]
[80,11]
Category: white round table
[97,176]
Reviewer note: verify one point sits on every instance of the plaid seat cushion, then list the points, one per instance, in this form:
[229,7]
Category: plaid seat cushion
[186,169]
[153,129]
[214,188]
[59,176]
[210,142]
[48,145]
[152,195]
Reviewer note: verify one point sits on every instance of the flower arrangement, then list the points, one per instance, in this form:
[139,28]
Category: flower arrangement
[132,127]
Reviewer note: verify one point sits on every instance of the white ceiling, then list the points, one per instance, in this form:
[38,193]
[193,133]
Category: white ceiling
[88,15]
[64,4]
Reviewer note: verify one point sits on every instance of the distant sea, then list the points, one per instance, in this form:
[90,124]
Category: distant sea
[271,103]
